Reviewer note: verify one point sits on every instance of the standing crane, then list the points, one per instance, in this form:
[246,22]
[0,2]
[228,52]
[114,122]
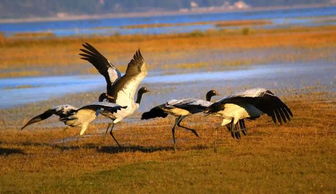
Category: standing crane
[180,109]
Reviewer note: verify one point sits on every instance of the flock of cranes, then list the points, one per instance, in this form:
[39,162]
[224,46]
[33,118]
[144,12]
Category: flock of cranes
[118,102]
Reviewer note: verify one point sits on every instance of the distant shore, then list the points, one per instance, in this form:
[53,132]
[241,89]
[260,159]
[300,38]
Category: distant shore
[156,13]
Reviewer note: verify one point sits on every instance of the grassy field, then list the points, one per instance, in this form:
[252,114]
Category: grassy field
[32,57]
[295,157]
[298,157]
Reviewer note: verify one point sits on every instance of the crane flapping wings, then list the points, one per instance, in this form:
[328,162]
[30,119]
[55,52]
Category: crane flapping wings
[104,67]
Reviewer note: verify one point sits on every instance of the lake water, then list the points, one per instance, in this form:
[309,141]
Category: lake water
[109,26]
[18,91]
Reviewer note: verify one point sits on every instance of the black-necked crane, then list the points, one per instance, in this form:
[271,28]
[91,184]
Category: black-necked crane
[250,104]
[77,117]
[119,89]
[180,109]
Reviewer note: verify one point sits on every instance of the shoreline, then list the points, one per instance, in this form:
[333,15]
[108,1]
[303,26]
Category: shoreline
[156,13]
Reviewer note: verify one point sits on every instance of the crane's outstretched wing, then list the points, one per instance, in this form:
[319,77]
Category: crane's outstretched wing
[60,110]
[103,107]
[123,89]
[192,105]
[264,100]
[104,67]
[154,112]
[40,117]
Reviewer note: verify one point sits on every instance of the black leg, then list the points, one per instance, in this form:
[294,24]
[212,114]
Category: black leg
[111,133]
[108,128]
[237,131]
[242,126]
[234,130]
[179,124]
[228,127]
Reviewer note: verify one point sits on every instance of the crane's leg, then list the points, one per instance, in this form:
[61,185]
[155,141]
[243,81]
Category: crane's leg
[226,122]
[173,131]
[242,126]
[111,133]
[179,124]
[107,130]
[104,139]
[234,130]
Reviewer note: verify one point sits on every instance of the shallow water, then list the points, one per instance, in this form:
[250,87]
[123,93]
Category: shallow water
[270,76]
[109,26]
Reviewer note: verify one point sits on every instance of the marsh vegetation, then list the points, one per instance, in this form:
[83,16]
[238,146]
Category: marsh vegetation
[298,157]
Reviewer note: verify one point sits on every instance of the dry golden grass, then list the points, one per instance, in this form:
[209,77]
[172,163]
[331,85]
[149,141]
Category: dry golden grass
[242,23]
[20,54]
[217,23]
[34,35]
[298,157]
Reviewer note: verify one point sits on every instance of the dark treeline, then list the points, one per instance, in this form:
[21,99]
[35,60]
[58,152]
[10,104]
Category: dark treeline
[41,8]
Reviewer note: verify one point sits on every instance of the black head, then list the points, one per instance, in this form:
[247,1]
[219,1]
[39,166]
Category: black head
[143,90]
[210,94]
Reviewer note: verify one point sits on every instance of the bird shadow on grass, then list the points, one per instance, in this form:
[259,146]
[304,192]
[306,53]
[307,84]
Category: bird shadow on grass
[9,151]
[113,149]
[135,148]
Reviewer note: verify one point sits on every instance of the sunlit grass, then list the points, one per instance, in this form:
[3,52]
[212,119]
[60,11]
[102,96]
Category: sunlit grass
[61,52]
[242,23]
[216,23]
[297,157]
[20,74]
[34,35]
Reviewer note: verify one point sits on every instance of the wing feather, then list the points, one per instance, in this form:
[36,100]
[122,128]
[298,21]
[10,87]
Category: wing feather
[154,112]
[190,104]
[262,99]
[104,67]
[48,113]
[124,89]
[103,106]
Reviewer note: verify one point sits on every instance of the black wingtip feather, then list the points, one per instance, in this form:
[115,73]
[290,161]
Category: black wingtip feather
[138,56]
[286,113]
[153,113]
[40,117]
[277,114]
[283,117]
[273,117]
